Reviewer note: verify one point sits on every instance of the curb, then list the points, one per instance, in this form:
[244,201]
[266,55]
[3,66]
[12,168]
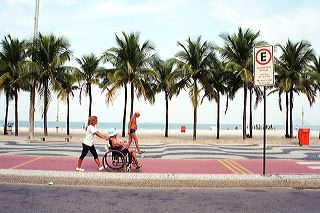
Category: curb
[158,180]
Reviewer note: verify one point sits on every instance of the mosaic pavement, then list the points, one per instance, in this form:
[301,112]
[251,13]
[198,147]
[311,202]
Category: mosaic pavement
[170,151]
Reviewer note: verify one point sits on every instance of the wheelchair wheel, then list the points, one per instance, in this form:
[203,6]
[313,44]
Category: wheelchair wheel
[113,160]
[128,168]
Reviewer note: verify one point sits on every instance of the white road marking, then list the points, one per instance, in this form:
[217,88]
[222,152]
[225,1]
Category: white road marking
[314,167]
[309,163]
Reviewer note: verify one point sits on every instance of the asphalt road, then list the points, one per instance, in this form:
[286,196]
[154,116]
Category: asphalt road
[51,198]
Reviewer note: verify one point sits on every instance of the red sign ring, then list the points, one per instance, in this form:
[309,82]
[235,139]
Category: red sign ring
[264,62]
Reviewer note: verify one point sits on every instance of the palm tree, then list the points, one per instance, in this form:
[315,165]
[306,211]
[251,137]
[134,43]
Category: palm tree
[233,83]
[88,75]
[119,77]
[165,81]
[64,85]
[283,85]
[216,86]
[308,86]
[5,86]
[315,70]
[13,56]
[31,76]
[50,54]
[259,97]
[315,67]
[238,51]
[253,89]
[138,58]
[294,59]
[130,62]
[193,63]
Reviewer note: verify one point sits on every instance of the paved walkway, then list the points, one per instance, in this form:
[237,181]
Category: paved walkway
[169,158]
[171,151]
[165,166]
[162,173]
[50,163]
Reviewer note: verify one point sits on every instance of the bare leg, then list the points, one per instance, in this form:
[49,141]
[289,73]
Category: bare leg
[136,142]
[133,153]
[134,157]
[129,142]
[97,162]
[79,163]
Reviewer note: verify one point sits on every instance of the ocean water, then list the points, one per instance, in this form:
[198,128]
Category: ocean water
[148,126]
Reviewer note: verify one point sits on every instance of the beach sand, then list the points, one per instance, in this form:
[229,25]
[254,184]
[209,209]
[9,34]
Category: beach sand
[175,137]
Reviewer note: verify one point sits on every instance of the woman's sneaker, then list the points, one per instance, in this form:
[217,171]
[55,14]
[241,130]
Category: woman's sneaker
[101,168]
[79,169]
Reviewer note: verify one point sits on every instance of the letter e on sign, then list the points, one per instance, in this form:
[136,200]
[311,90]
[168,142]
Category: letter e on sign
[263,56]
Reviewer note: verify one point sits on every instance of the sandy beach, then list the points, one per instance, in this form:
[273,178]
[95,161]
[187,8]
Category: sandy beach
[175,137]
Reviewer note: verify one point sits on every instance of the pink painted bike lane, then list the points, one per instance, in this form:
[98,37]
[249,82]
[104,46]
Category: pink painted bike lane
[49,163]
[53,163]
[282,166]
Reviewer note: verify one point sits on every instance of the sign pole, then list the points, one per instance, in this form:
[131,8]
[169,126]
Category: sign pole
[264,130]
[264,76]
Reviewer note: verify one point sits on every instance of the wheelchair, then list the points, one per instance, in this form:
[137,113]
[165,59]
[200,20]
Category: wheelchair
[115,160]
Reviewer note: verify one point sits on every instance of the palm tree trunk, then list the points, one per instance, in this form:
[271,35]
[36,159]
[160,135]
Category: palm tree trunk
[250,117]
[16,120]
[218,116]
[194,123]
[6,115]
[68,116]
[45,124]
[124,111]
[244,133]
[167,115]
[287,115]
[132,99]
[31,110]
[291,119]
[90,99]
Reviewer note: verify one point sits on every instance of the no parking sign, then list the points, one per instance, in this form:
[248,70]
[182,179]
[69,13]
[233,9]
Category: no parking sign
[263,66]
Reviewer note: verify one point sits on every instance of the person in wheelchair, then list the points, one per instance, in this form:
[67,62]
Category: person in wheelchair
[114,143]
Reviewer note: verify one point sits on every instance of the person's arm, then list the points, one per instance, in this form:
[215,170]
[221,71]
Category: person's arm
[117,144]
[102,135]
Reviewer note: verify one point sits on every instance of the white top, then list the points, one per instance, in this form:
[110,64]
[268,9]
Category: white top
[90,133]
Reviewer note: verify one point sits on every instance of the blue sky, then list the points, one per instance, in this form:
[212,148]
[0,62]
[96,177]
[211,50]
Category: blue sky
[91,26]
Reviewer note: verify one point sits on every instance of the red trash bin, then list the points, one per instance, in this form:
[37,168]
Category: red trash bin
[183,128]
[303,136]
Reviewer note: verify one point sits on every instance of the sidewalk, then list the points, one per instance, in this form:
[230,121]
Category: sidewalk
[158,180]
[161,173]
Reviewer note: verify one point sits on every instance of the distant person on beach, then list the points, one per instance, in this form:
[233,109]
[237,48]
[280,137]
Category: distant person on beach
[87,144]
[121,146]
[132,128]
